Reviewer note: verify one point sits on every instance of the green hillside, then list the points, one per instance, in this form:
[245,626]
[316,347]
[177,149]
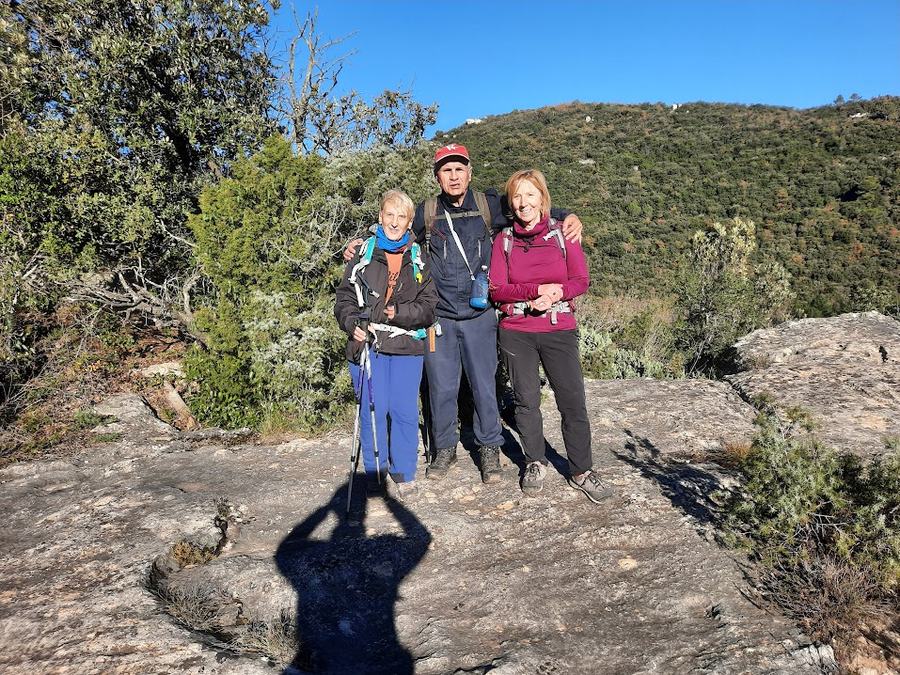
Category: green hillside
[822,186]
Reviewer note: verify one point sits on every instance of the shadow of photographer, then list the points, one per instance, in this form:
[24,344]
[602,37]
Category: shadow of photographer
[347,586]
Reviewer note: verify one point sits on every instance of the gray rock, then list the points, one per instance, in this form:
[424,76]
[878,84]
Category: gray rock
[866,338]
[679,419]
[465,577]
[845,370]
[173,368]
[133,418]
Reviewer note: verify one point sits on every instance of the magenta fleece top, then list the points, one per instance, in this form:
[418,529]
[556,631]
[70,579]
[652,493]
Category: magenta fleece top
[534,260]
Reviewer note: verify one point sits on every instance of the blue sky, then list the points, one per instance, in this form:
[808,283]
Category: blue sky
[490,57]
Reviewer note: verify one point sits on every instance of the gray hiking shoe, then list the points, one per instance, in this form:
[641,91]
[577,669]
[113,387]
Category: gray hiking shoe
[592,486]
[533,479]
[489,463]
[444,458]
[401,492]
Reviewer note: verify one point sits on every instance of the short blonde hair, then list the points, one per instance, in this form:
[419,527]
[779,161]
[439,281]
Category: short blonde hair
[535,177]
[401,198]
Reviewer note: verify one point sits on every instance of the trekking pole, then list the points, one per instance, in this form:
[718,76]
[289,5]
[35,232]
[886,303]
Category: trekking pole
[368,361]
[355,448]
[427,440]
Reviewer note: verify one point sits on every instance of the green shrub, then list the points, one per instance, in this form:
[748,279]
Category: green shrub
[801,497]
[625,338]
[268,239]
[723,294]
[88,419]
[824,526]
[792,487]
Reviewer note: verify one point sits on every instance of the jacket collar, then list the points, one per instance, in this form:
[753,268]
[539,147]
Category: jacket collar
[540,228]
[468,203]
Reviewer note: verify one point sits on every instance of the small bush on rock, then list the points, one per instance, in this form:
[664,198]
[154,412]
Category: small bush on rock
[825,527]
[724,292]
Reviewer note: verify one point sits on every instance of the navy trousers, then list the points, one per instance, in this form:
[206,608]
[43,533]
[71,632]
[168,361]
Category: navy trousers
[469,345]
[395,388]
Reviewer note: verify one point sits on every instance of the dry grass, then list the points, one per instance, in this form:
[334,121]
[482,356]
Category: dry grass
[734,453]
[204,609]
[84,361]
[609,313]
[189,553]
[275,639]
[195,607]
[616,314]
[830,599]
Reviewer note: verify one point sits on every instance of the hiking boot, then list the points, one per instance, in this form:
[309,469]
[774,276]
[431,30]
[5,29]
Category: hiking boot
[374,488]
[440,465]
[533,479]
[490,463]
[402,492]
[591,485]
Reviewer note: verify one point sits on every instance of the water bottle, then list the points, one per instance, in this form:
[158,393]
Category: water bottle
[478,298]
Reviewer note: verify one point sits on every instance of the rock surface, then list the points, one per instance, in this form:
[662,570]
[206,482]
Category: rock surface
[461,578]
[202,552]
[845,370]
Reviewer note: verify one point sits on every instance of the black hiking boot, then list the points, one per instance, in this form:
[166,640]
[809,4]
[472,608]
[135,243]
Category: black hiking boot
[490,464]
[444,458]
[374,487]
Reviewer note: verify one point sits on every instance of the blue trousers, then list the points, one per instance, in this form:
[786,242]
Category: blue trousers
[469,345]
[395,392]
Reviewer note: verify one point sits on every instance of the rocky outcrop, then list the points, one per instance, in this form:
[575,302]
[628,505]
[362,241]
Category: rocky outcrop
[248,549]
[203,552]
[844,370]
[128,415]
[680,419]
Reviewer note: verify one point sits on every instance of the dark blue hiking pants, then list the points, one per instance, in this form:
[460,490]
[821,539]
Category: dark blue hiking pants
[468,345]
[395,386]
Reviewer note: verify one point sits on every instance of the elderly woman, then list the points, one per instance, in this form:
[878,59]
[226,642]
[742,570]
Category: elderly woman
[384,303]
[535,275]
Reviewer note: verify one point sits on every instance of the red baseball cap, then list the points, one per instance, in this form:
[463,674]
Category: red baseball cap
[452,150]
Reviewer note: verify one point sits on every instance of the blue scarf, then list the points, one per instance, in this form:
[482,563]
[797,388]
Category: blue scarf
[385,244]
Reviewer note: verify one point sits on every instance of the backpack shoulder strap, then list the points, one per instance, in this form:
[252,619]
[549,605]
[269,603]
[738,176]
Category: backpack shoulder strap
[483,209]
[415,253]
[430,216]
[365,257]
[507,235]
[556,232]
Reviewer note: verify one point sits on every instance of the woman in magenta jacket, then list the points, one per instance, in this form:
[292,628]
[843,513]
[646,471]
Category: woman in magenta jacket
[535,275]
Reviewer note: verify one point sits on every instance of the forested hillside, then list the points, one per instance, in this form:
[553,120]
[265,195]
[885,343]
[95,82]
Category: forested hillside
[822,186]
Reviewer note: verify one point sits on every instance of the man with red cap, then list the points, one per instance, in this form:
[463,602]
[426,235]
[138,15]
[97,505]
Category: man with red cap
[457,228]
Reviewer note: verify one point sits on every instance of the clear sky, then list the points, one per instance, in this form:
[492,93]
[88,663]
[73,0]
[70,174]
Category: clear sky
[478,58]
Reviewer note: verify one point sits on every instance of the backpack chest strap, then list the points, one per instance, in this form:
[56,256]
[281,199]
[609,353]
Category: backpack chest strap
[522,308]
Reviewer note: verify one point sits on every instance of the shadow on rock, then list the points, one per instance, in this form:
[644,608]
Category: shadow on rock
[513,450]
[347,586]
[689,488]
